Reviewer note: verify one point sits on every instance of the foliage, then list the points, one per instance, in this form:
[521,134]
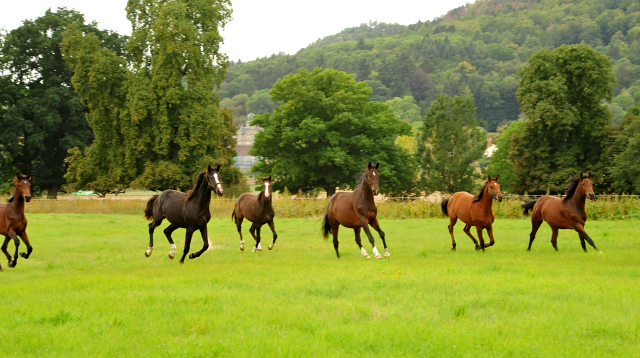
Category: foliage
[562,93]
[626,166]
[156,120]
[405,109]
[41,115]
[450,141]
[325,131]
[500,162]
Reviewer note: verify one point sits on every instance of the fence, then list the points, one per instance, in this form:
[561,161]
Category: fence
[605,207]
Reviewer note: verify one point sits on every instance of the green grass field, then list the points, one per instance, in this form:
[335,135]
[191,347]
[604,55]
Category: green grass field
[88,290]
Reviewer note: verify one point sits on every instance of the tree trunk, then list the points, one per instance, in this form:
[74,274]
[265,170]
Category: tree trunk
[53,191]
[330,191]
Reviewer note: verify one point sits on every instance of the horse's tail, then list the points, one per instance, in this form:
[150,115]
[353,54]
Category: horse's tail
[326,228]
[148,212]
[528,205]
[233,216]
[443,205]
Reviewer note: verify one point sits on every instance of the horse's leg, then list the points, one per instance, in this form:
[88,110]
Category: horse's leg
[365,226]
[205,245]
[535,225]
[252,231]
[452,223]
[25,239]
[583,236]
[152,226]
[479,231]
[376,227]
[167,232]
[554,238]
[275,235]
[258,247]
[4,247]
[239,219]
[187,243]
[334,231]
[467,230]
[16,240]
[363,251]
[490,233]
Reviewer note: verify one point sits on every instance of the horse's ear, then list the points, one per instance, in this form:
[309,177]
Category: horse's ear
[209,168]
[218,168]
[489,179]
[269,177]
[497,177]
[377,166]
[370,166]
[28,176]
[589,175]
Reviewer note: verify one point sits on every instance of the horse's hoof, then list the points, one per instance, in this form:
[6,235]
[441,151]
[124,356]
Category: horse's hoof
[171,256]
[386,254]
[147,254]
[378,256]
[192,255]
[241,247]
[271,247]
[12,264]
[24,255]
[367,257]
[477,248]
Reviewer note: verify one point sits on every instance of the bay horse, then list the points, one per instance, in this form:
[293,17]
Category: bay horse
[566,213]
[259,210]
[356,210]
[473,211]
[13,223]
[184,210]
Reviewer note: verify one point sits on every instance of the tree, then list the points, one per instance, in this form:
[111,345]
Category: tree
[626,167]
[405,109]
[562,94]
[500,163]
[43,116]
[325,131]
[157,116]
[450,141]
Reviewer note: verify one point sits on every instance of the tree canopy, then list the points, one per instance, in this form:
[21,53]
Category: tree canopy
[562,93]
[325,131]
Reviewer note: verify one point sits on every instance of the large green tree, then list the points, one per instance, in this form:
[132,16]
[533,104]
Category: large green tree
[326,130]
[42,116]
[626,164]
[562,94]
[449,142]
[158,115]
[500,162]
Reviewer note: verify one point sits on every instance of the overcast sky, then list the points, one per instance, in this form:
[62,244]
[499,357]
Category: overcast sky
[259,27]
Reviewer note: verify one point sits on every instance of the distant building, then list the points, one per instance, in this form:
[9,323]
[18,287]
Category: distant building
[245,136]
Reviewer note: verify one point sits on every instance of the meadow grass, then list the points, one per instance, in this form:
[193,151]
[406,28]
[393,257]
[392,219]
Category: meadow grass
[89,291]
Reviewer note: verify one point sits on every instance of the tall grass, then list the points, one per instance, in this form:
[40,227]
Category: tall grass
[615,208]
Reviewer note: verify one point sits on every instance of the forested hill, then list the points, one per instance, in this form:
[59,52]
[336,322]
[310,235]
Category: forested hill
[480,46]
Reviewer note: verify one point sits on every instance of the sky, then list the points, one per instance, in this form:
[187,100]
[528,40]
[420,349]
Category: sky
[259,27]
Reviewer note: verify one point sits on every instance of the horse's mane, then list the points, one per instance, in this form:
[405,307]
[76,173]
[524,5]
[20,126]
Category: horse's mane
[195,188]
[360,177]
[479,196]
[572,185]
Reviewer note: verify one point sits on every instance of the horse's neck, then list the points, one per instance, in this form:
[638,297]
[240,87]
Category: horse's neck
[578,200]
[487,199]
[263,201]
[204,195]
[18,199]
[364,191]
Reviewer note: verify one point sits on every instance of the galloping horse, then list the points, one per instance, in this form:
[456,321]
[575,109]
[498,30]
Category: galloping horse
[473,211]
[567,213]
[13,223]
[258,210]
[188,210]
[356,210]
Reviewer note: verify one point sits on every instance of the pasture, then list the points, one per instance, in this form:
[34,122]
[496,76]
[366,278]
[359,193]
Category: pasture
[88,290]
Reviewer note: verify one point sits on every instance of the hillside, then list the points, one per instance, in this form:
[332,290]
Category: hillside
[480,46]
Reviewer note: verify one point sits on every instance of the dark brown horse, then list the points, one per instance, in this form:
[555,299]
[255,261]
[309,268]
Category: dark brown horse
[356,210]
[258,210]
[567,213]
[188,210]
[473,211]
[13,223]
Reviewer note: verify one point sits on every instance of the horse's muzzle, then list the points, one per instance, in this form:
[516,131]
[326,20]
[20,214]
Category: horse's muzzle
[499,197]
[592,196]
[27,198]
[220,193]
[375,191]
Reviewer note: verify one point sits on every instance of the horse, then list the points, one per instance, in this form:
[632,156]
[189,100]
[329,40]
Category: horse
[13,223]
[566,213]
[356,210]
[473,211]
[184,210]
[258,210]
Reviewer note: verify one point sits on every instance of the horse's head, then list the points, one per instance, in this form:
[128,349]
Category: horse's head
[587,186]
[22,182]
[267,188]
[372,177]
[493,187]
[213,180]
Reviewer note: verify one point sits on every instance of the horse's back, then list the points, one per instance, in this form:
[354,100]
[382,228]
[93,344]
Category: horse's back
[459,206]
[170,204]
[552,210]
[341,208]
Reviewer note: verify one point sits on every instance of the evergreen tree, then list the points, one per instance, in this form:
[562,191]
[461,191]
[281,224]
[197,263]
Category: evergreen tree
[626,163]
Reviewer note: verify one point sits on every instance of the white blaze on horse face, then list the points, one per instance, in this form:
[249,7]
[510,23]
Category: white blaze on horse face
[215,177]
[266,189]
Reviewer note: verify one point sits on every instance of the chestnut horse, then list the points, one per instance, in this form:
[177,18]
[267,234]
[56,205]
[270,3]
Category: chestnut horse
[473,211]
[356,210]
[188,210]
[567,213]
[258,210]
[13,223]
